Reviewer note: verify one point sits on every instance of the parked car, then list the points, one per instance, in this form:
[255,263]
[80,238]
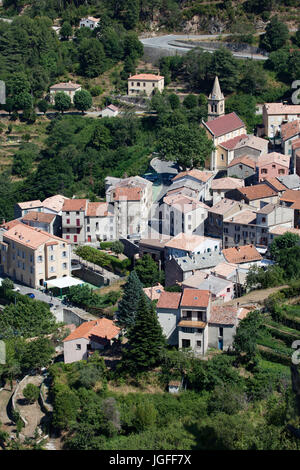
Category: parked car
[16,289]
[31,295]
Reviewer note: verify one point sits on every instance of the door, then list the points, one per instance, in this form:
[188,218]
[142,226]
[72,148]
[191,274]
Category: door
[89,238]
[220,344]
[75,238]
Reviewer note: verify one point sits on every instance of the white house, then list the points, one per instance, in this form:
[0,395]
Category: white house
[184,244]
[89,22]
[110,111]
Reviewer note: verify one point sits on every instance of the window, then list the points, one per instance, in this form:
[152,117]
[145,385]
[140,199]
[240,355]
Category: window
[263,219]
[68,221]
[187,330]
[88,229]
[138,84]
[78,347]
[186,343]
[264,171]
[52,269]
[144,84]
[64,265]
[64,254]
[68,237]
[228,289]
[221,331]
[225,230]
[40,259]
[77,222]
[77,212]
[51,258]
[199,343]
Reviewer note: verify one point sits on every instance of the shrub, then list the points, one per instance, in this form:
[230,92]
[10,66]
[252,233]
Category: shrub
[31,393]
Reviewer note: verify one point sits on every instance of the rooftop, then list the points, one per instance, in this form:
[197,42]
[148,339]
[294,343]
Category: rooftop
[257,191]
[201,261]
[280,108]
[225,205]
[202,176]
[38,217]
[254,142]
[231,144]
[224,124]
[98,209]
[186,242]
[75,205]
[224,269]
[290,195]
[290,181]
[241,254]
[169,300]
[274,157]
[128,193]
[184,203]
[210,282]
[195,298]
[154,292]
[227,183]
[246,216]
[30,236]
[102,328]
[65,86]
[244,160]
[275,183]
[223,314]
[146,76]
[30,204]
[267,209]
[280,230]
[55,203]
[290,129]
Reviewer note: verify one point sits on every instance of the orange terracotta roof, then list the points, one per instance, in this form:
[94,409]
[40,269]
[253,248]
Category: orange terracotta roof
[128,193]
[75,205]
[195,298]
[202,176]
[30,236]
[154,292]
[169,300]
[275,183]
[11,224]
[241,254]
[245,160]
[102,328]
[230,144]
[65,86]
[257,191]
[290,129]
[296,144]
[99,209]
[290,195]
[146,76]
[39,217]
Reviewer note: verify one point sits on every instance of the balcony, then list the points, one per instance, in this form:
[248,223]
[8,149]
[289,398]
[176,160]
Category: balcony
[192,323]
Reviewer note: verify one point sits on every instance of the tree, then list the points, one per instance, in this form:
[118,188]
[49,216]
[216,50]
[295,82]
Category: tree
[7,284]
[91,58]
[66,30]
[31,393]
[174,101]
[190,101]
[145,340]
[62,102]
[23,101]
[282,243]
[188,145]
[147,271]
[127,306]
[43,106]
[297,37]
[83,100]
[117,247]
[245,340]
[226,67]
[276,35]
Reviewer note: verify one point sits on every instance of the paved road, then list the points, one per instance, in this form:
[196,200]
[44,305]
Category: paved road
[172,42]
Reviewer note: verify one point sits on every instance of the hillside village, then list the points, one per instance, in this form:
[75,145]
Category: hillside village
[178,281]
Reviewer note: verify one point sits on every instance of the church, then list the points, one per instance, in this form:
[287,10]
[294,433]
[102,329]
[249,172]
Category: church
[225,130]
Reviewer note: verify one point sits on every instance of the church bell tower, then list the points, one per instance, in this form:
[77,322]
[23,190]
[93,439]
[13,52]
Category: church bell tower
[216,102]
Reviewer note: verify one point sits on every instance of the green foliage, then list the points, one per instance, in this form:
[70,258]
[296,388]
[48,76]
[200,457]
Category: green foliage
[127,306]
[102,259]
[117,247]
[276,35]
[83,100]
[84,296]
[66,30]
[263,278]
[145,340]
[190,101]
[145,416]
[62,101]
[245,340]
[31,393]
[147,271]
[43,106]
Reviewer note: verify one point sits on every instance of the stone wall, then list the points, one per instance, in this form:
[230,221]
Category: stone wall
[90,276]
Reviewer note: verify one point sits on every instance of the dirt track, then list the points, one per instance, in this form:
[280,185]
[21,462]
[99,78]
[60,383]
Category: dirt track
[254,297]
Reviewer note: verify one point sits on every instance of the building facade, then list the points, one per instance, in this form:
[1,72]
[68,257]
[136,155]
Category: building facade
[145,84]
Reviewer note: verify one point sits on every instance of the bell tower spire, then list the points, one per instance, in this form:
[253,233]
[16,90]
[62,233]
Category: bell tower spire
[216,102]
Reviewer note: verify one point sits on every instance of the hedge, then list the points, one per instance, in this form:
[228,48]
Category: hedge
[273,356]
[279,334]
[106,245]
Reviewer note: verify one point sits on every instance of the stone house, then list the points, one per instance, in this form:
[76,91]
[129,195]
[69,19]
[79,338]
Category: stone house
[32,256]
[290,131]
[182,245]
[89,22]
[41,221]
[257,195]
[89,337]
[73,220]
[272,165]
[221,186]
[252,146]
[218,213]
[145,84]
[190,321]
[276,114]
[100,223]
[242,255]
[69,88]
[22,208]
[242,167]
[202,181]
[110,111]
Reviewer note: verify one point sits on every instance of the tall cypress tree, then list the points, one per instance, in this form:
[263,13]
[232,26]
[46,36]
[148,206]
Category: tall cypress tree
[145,339]
[128,304]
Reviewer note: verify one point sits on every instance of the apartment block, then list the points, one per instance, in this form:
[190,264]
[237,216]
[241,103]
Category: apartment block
[32,256]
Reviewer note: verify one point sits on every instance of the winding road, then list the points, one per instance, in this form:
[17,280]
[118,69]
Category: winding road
[173,42]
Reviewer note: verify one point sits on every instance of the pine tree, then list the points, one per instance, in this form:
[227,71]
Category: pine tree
[128,304]
[145,339]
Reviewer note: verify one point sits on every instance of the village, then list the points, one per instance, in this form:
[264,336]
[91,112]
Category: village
[164,275]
